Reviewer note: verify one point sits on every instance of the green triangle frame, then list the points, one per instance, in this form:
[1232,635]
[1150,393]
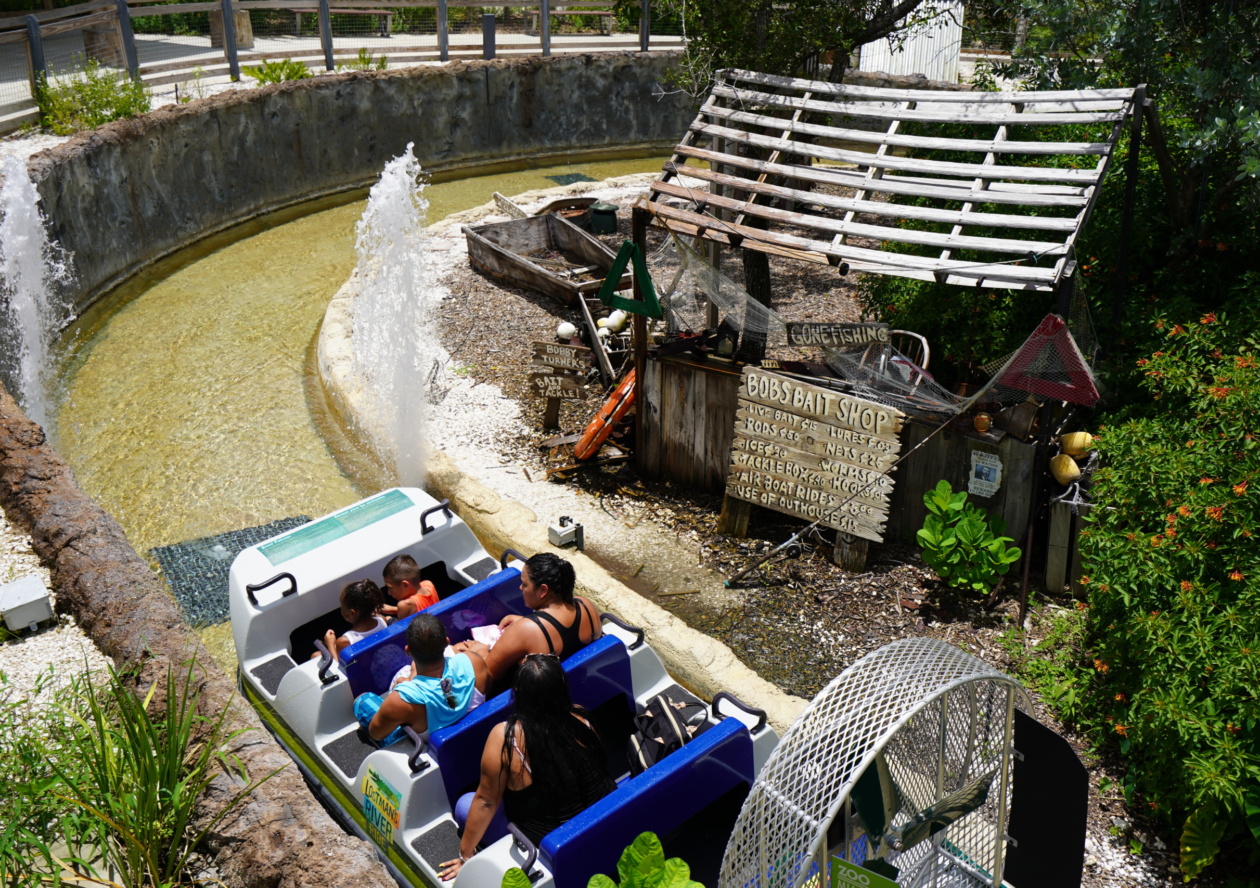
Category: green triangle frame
[649,306]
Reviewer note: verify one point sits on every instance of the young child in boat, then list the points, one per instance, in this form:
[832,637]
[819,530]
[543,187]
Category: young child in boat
[444,688]
[403,583]
[360,602]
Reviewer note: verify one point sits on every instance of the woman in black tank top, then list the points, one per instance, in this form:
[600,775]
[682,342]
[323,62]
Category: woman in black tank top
[545,763]
[561,623]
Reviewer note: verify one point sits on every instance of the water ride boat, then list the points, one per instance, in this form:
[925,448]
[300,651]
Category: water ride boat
[284,596]
[918,765]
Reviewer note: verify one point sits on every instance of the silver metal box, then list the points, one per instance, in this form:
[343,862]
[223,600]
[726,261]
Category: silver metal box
[25,602]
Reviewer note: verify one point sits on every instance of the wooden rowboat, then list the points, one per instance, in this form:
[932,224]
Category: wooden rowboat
[543,253]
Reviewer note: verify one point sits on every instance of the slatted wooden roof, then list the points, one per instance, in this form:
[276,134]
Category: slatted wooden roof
[1000,200]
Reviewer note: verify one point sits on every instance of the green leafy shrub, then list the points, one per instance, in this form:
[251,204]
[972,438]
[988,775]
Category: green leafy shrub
[88,98]
[643,865]
[278,71]
[365,61]
[1174,579]
[961,542]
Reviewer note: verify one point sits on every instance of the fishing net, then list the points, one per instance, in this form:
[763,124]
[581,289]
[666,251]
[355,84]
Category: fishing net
[889,367]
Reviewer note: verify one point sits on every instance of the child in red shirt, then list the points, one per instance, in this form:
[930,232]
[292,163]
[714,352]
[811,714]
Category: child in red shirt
[403,583]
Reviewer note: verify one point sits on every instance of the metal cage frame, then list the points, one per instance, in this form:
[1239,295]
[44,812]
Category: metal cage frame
[890,703]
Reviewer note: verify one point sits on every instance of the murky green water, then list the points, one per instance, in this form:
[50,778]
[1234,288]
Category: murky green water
[185,409]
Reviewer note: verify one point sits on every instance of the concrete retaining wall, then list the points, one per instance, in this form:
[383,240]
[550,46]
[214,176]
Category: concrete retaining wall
[133,191]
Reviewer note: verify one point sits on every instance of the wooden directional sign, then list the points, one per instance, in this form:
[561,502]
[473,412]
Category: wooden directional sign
[814,453]
[562,357]
[553,385]
[836,335]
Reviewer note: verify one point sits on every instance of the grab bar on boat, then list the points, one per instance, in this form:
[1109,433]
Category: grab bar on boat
[531,852]
[413,760]
[325,663]
[740,704]
[251,588]
[515,554]
[443,506]
[634,630]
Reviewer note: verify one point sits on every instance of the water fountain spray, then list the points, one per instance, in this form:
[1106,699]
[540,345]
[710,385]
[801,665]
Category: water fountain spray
[397,356]
[33,274]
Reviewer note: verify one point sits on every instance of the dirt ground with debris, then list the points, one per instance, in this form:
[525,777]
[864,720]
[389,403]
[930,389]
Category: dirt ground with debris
[800,620]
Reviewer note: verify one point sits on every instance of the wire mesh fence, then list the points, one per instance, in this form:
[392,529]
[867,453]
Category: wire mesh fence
[201,42]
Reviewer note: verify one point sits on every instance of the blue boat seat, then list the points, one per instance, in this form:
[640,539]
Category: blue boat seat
[370,663]
[661,799]
[599,679]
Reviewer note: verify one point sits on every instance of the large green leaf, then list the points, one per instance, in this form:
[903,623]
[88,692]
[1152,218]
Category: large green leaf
[599,880]
[1200,839]
[676,874]
[516,878]
[642,862]
[1251,810]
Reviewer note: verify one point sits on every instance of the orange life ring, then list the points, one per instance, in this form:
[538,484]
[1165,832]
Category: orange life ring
[613,412]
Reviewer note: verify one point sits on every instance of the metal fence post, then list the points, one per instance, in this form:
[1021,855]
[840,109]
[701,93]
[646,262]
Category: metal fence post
[544,26]
[39,67]
[443,32]
[128,40]
[645,25]
[229,39]
[487,36]
[325,34]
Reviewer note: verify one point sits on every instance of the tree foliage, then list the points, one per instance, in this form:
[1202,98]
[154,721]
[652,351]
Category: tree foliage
[789,38]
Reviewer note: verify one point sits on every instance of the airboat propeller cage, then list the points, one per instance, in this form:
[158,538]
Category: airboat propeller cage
[930,727]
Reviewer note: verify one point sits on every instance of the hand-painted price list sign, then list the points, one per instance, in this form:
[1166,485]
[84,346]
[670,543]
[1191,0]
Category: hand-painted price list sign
[814,453]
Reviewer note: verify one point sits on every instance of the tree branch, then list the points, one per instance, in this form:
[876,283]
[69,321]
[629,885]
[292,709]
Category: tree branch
[882,25]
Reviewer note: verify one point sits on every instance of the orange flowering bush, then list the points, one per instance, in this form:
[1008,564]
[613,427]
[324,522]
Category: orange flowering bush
[1176,623]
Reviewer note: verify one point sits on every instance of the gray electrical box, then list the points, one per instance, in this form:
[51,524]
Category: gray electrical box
[24,603]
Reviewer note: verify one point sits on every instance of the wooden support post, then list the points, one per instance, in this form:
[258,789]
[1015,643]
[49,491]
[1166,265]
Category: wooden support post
[229,41]
[757,283]
[551,414]
[639,219]
[851,552]
[443,31]
[487,36]
[35,43]
[325,34]
[733,520]
[645,25]
[544,27]
[128,40]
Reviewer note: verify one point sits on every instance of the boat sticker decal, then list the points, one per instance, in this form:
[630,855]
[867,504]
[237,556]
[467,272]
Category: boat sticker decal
[380,808]
[337,525]
[847,875]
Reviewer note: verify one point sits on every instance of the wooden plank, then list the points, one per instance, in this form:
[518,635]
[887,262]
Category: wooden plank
[780,441]
[101,18]
[564,357]
[887,208]
[879,232]
[557,386]
[733,519]
[908,164]
[761,240]
[820,404]
[865,492]
[1057,547]
[900,140]
[904,185]
[829,509]
[975,112]
[850,552]
[961,96]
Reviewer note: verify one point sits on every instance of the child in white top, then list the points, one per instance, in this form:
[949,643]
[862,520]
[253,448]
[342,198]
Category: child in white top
[360,602]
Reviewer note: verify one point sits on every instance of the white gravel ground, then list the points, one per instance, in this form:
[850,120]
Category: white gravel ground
[56,650]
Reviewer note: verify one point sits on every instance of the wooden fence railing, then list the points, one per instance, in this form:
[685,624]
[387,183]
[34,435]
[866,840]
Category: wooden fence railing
[162,43]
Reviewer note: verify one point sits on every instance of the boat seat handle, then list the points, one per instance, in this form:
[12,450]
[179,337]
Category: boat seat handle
[325,663]
[515,554]
[251,588]
[739,704]
[531,852]
[413,761]
[443,506]
[637,631]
